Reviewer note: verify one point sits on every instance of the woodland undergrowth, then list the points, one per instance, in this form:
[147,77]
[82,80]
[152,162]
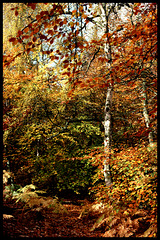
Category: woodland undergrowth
[127,209]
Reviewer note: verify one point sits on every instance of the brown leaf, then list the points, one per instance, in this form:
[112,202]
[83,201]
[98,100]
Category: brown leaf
[118,79]
[114,221]
[129,221]
[61,24]
[28,50]
[135,223]
[32,5]
[65,61]
[55,28]
[38,17]
[16,13]
[122,230]
[34,39]
[12,39]
[110,233]
[50,32]
[15,42]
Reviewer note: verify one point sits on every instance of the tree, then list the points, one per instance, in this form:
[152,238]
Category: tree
[125,51]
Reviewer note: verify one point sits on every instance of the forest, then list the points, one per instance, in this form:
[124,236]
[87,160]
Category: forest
[79,119]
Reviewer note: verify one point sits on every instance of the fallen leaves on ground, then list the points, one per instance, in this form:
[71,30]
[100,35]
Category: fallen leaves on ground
[89,220]
[48,223]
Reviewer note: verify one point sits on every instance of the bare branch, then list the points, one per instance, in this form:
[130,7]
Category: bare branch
[92,59]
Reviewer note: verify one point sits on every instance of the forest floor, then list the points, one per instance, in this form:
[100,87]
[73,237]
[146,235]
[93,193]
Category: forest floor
[47,223]
[73,220]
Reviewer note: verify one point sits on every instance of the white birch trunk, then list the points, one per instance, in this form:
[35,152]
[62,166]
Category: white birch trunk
[145,112]
[107,136]
[108,104]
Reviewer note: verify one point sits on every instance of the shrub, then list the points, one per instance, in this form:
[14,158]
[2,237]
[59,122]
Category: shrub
[134,176]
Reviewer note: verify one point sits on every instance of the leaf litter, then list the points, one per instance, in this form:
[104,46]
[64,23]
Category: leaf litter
[50,218]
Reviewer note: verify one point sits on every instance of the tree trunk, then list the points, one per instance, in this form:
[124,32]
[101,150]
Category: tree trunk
[145,112]
[37,148]
[106,10]
[107,136]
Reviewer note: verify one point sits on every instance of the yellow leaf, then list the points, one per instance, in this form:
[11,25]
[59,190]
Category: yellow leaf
[71,24]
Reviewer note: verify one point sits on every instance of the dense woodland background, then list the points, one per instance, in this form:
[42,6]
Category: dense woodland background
[63,63]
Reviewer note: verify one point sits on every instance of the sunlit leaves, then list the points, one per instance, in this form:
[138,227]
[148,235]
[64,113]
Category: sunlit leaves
[133,45]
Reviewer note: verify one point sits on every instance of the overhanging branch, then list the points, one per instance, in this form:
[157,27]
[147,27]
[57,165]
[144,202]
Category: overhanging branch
[63,129]
[92,59]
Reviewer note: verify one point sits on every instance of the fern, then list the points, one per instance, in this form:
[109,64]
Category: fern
[27,188]
[29,195]
[24,194]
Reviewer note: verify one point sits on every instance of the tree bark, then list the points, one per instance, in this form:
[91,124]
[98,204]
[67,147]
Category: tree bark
[107,111]
[145,112]
[107,136]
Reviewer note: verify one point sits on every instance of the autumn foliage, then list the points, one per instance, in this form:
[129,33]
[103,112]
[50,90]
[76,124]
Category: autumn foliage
[59,60]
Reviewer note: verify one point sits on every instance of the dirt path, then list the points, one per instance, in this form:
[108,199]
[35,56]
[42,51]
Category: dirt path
[49,224]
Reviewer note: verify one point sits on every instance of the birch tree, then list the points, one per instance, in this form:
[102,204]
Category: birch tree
[109,12]
[68,23]
[145,111]
[106,10]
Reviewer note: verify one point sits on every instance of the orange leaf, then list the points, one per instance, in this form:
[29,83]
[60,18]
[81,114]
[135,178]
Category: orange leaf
[38,17]
[15,42]
[65,21]
[55,28]
[74,11]
[36,30]
[26,30]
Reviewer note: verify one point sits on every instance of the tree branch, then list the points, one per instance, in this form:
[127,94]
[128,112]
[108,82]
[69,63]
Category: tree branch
[63,129]
[92,59]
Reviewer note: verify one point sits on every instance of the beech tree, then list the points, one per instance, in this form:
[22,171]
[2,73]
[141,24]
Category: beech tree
[125,48]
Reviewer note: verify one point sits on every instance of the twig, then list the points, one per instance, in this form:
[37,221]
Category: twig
[92,59]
